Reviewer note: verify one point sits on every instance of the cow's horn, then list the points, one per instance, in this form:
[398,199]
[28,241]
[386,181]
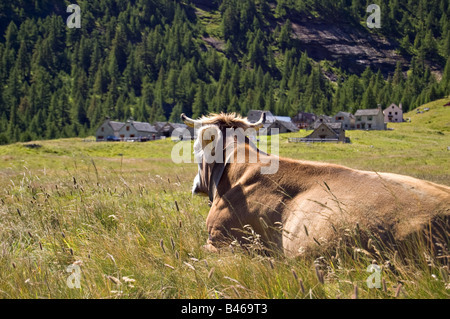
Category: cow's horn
[260,123]
[188,121]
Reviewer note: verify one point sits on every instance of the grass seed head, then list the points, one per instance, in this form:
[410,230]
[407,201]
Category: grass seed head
[302,287]
[114,280]
[172,243]
[398,290]
[161,244]
[211,272]
[319,274]
[355,292]
[294,274]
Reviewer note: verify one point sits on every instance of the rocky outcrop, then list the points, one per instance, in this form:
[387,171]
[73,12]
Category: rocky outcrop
[354,49]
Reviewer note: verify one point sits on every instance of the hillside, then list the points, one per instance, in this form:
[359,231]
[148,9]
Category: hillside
[350,46]
[154,59]
[437,118]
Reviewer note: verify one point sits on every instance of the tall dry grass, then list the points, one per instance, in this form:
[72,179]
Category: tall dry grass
[138,233]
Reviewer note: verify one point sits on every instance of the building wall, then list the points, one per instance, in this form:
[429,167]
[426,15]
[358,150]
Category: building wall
[303,119]
[342,136]
[131,133]
[104,131]
[348,123]
[393,114]
[322,132]
[371,122]
[128,131]
[379,122]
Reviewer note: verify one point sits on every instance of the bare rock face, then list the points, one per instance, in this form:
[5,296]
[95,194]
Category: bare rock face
[354,49]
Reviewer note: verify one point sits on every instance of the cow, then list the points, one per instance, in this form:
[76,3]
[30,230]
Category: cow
[306,204]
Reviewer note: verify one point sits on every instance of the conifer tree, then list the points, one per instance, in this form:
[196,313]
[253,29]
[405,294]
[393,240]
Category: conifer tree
[199,107]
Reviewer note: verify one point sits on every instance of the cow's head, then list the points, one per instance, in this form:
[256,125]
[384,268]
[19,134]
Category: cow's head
[210,144]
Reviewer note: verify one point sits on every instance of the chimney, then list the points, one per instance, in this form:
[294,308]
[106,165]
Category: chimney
[400,106]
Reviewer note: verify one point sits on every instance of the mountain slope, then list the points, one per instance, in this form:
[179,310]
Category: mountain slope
[154,59]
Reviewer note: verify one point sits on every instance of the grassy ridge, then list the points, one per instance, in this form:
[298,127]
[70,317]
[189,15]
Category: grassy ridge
[132,225]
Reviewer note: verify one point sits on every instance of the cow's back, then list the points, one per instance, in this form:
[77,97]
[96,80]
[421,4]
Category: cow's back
[337,197]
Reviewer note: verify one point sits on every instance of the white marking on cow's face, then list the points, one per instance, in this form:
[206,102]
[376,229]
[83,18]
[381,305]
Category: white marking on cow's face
[203,142]
[198,154]
[196,184]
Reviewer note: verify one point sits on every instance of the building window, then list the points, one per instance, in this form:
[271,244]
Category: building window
[390,113]
[370,125]
[369,118]
[128,128]
[103,129]
[396,113]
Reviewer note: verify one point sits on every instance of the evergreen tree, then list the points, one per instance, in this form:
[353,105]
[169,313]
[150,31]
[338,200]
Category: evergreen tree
[154,59]
[199,107]
[445,82]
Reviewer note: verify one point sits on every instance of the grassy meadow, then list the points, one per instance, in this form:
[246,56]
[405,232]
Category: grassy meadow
[123,213]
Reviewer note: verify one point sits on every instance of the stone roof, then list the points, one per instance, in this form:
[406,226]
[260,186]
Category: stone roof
[346,114]
[160,125]
[144,127]
[289,125]
[255,115]
[368,112]
[324,118]
[336,127]
[167,126]
[116,126]
[303,116]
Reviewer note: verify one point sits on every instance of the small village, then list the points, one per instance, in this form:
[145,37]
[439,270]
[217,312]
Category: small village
[325,128]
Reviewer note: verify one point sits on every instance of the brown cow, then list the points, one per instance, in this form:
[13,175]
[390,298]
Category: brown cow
[304,204]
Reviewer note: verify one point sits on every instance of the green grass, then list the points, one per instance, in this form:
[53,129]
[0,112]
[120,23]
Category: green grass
[211,20]
[137,232]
